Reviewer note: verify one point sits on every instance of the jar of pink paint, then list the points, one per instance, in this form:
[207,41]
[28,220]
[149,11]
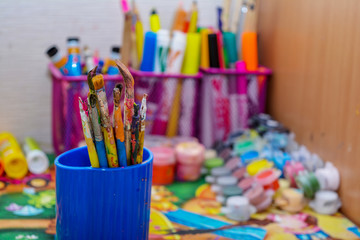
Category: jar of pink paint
[189,160]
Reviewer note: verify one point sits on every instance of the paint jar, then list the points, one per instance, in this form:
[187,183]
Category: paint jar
[180,139]
[238,208]
[189,160]
[256,166]
[328,177]
[13,159]
[102,203]
[268,178]
[163,165]
[227,192]
[291,170]
[256,194]
[291,200]
[326,202]
[246,183]
[308,183]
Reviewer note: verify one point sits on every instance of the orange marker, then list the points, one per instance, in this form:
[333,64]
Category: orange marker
[250,50]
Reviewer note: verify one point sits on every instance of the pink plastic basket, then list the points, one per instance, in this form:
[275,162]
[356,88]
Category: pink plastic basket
[191,117]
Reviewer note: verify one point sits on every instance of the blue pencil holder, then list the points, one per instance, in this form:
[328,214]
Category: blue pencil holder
[102,203]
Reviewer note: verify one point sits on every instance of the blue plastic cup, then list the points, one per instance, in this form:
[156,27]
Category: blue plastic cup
[102,203]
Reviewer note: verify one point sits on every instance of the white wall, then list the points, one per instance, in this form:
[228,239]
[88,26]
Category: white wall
[28,28]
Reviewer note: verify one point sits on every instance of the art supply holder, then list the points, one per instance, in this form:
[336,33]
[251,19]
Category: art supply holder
[102,203]
[229,97]
[177,104]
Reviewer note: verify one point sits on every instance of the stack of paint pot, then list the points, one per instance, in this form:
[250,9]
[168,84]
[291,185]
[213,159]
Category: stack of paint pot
[264,163]
[179,158]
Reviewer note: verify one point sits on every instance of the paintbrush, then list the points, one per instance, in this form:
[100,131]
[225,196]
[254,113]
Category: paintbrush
[109,139]
[94,161]
[90,75]
[96,126]
[135,134]
[142,129]
[119,126]
[128,105]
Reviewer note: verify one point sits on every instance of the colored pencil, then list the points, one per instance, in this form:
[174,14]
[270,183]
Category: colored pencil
[143,109]
[193,18]
[109,139]
[119,126]
[128,105]
[94,161]
[135,134]
[96,126]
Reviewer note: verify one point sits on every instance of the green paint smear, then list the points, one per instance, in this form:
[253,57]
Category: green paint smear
[13,233]
[185,190]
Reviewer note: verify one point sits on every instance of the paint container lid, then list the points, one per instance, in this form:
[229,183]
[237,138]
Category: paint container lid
[249,156]
[210,153]
[227,181]
[308,183]
[267,176]
[326,202]
[210,179]
[264,204]
[233,163]
[246,183]
[190,153]
[237,201]
[52,51]
[220,171]
[239,173]
[225,153]
[291,169]
[216,188]
[220,198]
[180,139]
[256,166]
[229,191]
[163,156]
[256,194]
[213,163]
[328,177]
[272,123]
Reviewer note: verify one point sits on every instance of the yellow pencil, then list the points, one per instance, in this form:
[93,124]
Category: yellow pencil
[94,160]
[193,18]
[109,139]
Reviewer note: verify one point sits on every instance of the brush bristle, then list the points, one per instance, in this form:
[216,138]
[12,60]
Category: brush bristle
[98,81]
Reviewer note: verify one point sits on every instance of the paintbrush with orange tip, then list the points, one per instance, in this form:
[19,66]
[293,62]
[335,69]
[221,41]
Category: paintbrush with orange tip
[109,139]
[128,106]
[119,126]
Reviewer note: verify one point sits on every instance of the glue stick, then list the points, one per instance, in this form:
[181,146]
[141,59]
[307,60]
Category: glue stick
[36,159]
[13,159]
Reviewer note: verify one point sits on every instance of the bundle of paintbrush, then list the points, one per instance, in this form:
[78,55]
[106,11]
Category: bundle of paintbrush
[112,143]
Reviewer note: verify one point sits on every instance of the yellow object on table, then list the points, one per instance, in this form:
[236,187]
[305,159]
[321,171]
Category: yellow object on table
[256,166]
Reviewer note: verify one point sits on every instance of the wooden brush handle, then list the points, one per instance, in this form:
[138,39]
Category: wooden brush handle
[250,24]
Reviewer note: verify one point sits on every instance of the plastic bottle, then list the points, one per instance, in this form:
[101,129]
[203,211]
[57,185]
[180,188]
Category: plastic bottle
[36,159]
[112,68]
[13,159]
[73,65]
[162,49]
[56,58]
[176,53]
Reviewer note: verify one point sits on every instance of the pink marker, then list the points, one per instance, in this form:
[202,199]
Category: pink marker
[125,6]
